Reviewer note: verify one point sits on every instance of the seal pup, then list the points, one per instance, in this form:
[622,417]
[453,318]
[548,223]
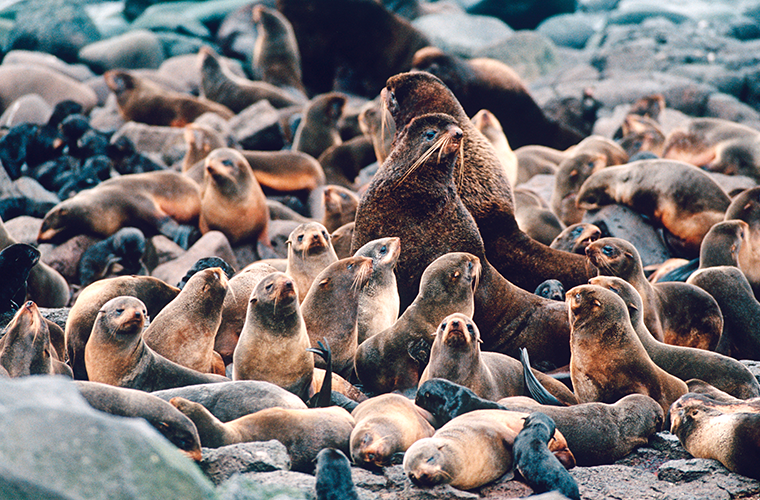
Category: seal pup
[232,200]
[675,313]
[144,101]
[472,450]
[379,302]
[480,182]
[303,432]
[116,354]
[576,237]
[456,356]
[330,309]
[608,360]
[340,206]
[341,240]
[723,372]
[533,460]
[309,252]
[318,129]
[746,206]
[393,360]
[16,263]
[488,125]
[333,476]
[679,197]
[119,254]
[534,217]
[551,289]
[275,52]
[273,343]
[184,331]
[153,292]
[386,425]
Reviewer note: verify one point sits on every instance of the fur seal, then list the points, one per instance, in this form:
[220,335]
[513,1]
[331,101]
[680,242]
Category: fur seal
[534,218]
[746,206]
[303,432]
[26,348]
[731,290]
[394,359]
[116,354]
[386,425]
[220,85]
[484,83]
[378,301]
[551,289]
[707,431]
[333,476]
[537,160]
[507,316]
[456,356]
[232,200]
[275,53]
[16,263]
[590,155]
[154,293]
[184,330]
[533,460]
[344,162]
[330,309]
[481,184]
[472,450]
[173,424]
[144,101]
[309,252]
[678,196]
[341,240]
[608,360]
[686,363]
[488,125]
[273,343]
[675,313]
[119,254]
[154,202]
[340,206]
[318,129]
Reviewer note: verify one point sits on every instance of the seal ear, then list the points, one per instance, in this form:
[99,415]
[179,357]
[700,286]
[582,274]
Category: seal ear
[597,303]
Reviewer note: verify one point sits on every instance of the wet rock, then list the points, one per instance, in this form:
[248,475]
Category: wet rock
[132,50]
[462,34]
[257,127]
[219,464]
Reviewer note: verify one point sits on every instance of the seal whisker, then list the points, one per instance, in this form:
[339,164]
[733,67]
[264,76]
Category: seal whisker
[422,159]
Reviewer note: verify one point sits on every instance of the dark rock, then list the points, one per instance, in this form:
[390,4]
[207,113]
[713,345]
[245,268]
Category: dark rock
[522,14]
[677,471]
[569,30]
[219,464]
[257,127]
[58,27]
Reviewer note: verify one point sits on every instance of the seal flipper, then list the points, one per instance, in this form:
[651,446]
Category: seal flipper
[681,273]
[323,398]
[534,387]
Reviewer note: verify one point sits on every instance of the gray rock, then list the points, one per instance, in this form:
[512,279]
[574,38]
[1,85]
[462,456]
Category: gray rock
[175,44]
[169,142]
[370,481]
[569,30]
[219,464]
[57,316]
[462,34]
[439,492]
[732,184]
[529,53]
[668,444]
[65,257]
[246,488]
[753,366]
[133,50]
[29,108]
[708,475]
[78,72]
[29,187]
[730,108]
[257,127]
[108,18]
[677,471]
[51,436]
[24,229]
[211,244]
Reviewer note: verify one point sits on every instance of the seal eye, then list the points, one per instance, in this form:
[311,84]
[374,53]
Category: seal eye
[430,134]
[119,311]
[443,326]
[268,287]
[471,329]
[383,249]
[344,196]
[324,233]
[456,274]
[300,238]
[350,266]
[227,162]
[608,250]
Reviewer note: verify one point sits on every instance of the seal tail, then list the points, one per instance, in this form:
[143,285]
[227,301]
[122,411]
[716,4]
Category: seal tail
[536,390]
[323,398]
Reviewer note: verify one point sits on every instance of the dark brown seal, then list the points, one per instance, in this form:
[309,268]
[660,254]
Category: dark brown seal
[746,206]
[318,129]
[141,100]
[340,206]
[456,356]
[275,52]
[116,354]
[675,313]
[608,360]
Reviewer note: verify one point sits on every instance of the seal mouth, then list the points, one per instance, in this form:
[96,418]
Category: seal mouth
[454,336]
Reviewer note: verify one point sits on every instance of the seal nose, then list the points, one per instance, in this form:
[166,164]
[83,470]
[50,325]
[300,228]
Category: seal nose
[456,132]
[455,323]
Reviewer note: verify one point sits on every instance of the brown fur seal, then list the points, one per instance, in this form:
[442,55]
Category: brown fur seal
[484,83]
[608,360]
[378,302]
[341,240]
[220,85]
[746,206]
[675,313]
[534,217]
[472,450]
[26,348]
[273,343]
[640,133]
[309,252]
[184,330]
[508,317]
[390,360]
[200,141]
[386,425]
[480,182]
[141,100]
[707,431]
[376,123]
[153,292]
[488,125]
[340,207]
[153,202]
[232,200]
[576,237]
[285,171]
[116,354]
[686,363]
[303,432]
[537,160]
[740,309]
[318,129]
[330,309]
[343,162]
[678,196]
[456,356]
[591,155]
[275,53]
[173,424]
